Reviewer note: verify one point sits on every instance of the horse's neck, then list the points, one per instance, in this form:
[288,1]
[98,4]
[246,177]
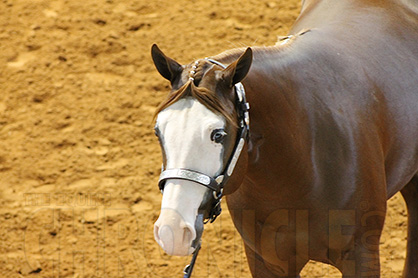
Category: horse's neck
[277,109]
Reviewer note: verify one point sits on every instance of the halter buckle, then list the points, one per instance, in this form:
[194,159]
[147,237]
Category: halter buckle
[217,195]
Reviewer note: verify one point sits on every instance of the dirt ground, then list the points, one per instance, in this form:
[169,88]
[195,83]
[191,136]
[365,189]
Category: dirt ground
[78,159]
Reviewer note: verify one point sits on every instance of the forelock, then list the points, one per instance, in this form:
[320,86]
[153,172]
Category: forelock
[208,97]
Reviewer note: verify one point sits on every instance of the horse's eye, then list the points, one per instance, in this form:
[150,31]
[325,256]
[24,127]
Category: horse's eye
[218,135]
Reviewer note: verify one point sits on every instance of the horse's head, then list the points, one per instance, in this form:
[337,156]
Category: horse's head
[201,128]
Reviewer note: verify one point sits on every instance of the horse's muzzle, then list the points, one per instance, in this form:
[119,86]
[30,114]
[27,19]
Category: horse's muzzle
[175,235]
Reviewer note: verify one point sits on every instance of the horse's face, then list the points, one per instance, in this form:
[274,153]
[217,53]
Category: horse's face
[187,132]
[194,136]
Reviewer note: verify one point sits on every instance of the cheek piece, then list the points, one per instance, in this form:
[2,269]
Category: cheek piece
[215,184]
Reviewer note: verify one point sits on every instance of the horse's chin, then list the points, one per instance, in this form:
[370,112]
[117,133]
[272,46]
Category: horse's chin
[179,253]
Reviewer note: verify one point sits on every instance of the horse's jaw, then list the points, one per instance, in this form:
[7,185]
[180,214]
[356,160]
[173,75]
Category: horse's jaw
[175,230]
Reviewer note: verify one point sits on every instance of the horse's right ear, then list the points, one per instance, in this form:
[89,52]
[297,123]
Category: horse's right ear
[166,66]
[237,71]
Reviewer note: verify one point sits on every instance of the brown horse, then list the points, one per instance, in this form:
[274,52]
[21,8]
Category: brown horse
[333,135]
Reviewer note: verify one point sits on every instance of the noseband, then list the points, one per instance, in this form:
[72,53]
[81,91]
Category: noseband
[216,184]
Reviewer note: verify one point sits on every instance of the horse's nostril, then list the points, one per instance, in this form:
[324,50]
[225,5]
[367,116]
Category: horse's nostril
[166,238]
[157,234]
[188,235]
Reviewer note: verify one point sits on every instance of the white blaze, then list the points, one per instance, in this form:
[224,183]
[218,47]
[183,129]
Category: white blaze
[185,128]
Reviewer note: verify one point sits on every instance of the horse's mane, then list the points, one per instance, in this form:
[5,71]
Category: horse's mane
[205,96]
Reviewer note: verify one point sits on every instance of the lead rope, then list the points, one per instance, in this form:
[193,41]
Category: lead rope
[189,268]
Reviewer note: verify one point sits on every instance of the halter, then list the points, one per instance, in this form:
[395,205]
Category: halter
[216,184]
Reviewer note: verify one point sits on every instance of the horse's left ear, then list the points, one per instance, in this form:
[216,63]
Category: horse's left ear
[237,71]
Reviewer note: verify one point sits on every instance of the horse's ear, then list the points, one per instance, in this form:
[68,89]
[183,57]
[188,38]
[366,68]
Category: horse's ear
[166,66]
[237,71]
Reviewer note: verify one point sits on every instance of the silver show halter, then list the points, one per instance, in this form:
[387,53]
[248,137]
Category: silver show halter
[216,184]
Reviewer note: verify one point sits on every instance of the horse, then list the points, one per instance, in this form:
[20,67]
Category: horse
[306,139]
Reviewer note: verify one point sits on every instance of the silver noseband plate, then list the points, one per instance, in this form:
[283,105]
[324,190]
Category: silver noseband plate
[185,174]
